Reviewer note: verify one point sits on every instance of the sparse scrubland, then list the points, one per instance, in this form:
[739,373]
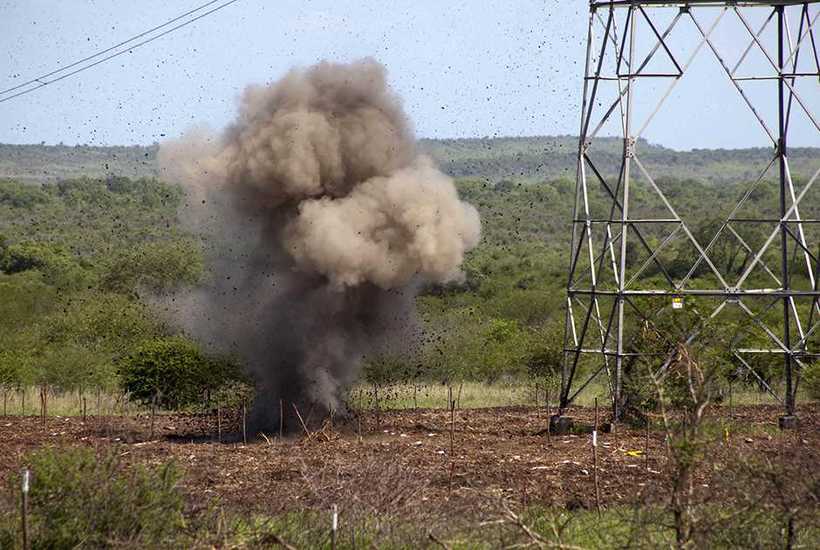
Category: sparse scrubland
[127,454]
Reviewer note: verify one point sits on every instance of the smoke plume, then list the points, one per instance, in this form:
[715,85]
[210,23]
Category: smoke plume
[322,222]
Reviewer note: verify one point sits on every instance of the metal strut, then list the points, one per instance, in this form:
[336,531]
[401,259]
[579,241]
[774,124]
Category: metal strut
[611,295]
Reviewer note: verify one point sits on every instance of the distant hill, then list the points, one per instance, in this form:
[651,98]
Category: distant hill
[494,159]
[41,163]
[551,157]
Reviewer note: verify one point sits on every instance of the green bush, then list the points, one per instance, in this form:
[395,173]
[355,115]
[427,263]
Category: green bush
[57,264]
[158,266]
[174,372]
[546,354]
[20,195]
[78,500]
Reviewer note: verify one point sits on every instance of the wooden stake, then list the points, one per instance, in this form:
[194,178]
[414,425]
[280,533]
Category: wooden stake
[281,418]
[24,508]
[452,437]
[334,526]
[302,422]
[244,423]
[218,421]
[452,423]
[376,398]
[549,419]
[595,460]
[43,398]
[85,410]
[153,413]
[450,477]
[646,446]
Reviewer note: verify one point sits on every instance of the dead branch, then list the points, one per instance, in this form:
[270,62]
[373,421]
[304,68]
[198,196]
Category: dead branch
[438,541]
[302,422]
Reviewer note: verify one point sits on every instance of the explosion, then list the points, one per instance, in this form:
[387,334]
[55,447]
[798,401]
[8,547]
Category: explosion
[322,222]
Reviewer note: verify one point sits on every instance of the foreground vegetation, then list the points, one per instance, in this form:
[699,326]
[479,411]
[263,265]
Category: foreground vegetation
[82,498]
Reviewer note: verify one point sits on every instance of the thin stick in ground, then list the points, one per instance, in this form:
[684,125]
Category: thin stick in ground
[153,413]
[376,401]
[452,404]
[218,422]
[244,423]
[24,509]
[334,526]
[302,422]
[595,460]
[452,437]
[646,446]
[281,418]
[43,404]
[549,414]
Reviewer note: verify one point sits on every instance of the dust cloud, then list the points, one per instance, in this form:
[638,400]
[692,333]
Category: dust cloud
[321,223]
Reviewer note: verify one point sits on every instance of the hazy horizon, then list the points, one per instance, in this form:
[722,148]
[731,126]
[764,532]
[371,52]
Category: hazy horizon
[427,138]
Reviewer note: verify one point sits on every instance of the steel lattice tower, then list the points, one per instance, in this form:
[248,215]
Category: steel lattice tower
[620,280]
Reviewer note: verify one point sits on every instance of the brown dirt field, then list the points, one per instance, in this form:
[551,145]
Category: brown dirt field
[404,456]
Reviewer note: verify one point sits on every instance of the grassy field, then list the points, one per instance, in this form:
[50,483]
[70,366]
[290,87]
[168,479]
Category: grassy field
[476,395]
[28,402]
[403,396]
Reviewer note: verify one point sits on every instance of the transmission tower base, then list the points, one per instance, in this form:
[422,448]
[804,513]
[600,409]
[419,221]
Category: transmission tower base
[561,425]
[788,422]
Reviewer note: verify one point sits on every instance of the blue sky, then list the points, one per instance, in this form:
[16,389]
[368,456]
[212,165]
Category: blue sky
[464,68]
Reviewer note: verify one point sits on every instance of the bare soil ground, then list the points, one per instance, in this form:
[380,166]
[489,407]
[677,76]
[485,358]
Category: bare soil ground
[399,458]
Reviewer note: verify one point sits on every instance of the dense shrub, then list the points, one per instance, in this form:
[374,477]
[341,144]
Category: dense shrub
[78,500]
[20,195]
[173,371]
[58,266]
[546,355]
[158,266]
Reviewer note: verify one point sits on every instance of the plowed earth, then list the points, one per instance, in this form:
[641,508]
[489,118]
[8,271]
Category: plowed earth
[402,458]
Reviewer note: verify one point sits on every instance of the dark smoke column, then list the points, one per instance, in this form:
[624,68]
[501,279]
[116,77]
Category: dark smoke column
[321,221]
